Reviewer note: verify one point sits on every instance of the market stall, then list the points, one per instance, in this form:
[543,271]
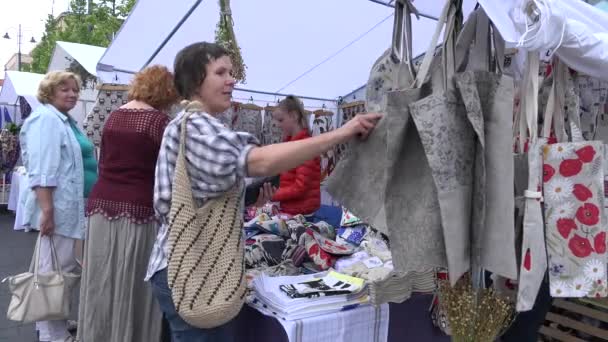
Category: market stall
[18,95]
[442,193]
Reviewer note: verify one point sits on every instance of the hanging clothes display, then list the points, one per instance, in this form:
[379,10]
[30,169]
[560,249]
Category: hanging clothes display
[110,97]
[348,110]
[271,132]
[247,118]
[323,123]
[24,108]
[227,117]
[593,95]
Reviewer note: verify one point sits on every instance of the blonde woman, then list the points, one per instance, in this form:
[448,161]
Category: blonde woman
[299,191]
[61,170]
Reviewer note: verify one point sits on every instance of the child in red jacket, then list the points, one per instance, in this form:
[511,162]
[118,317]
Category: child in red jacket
[300,188]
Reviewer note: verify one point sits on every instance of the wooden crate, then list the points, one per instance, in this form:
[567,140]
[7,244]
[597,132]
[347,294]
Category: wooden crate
[566,321]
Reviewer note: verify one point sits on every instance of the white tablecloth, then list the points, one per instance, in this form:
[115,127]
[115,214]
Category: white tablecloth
[362,324]
[18,179]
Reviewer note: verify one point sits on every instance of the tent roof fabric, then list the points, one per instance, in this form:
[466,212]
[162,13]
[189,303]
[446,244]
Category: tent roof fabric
[280,40]
[17,84]
[86,55]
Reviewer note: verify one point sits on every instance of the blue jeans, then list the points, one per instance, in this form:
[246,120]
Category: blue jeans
[180,330]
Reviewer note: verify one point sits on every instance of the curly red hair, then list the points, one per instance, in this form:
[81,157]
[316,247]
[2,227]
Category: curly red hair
[154,86]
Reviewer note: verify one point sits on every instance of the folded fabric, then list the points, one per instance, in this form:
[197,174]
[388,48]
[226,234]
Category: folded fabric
[348,219]
[360,323]
[264,250]
[346,262]
[267,291]
[332,284]
[331,246]
[354,234]
[327,213]
[275,226]
[397,288]
[323,228]
[294,252]
[376,247]
[321,259]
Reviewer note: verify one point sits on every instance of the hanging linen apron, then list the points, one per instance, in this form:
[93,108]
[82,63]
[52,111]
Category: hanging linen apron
[347,112]
[488,98]
[248,118]
[574,202]
[109,99]
[323,123]
[271,132]
[226,118]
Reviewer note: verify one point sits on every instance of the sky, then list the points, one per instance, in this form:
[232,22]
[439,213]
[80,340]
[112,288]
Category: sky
[31,14]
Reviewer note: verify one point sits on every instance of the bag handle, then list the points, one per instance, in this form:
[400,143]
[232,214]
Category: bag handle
[528,108]
[556,107]
[561,80]
[478,29]
[446,19]
[35,263]
[402,34]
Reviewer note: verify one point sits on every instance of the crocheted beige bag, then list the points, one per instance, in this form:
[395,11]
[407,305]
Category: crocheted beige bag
[206,272]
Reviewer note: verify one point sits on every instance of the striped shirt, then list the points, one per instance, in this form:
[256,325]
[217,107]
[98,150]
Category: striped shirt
[216,159]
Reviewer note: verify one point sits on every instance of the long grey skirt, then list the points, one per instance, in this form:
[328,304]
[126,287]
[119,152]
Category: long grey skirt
[116,304]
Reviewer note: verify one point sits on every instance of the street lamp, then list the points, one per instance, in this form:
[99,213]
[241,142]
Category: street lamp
[19,38]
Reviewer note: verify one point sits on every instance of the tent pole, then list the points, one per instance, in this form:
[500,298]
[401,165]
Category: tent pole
[175,29]
[388,4]
[280,94]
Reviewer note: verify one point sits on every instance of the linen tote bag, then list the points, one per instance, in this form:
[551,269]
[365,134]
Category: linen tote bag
[206,264]
[574,202]
[487,96]
[440,126]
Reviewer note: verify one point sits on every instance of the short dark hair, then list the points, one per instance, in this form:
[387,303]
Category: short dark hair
[190,68]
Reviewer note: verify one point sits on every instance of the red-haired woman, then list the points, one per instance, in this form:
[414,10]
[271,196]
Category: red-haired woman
[116,304]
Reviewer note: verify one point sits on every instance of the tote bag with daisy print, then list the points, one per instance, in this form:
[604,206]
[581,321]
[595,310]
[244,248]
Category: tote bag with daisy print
[573,177]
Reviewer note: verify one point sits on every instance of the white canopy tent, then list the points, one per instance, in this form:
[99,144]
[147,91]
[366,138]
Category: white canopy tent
[318,49]
[17,83]
[87,56]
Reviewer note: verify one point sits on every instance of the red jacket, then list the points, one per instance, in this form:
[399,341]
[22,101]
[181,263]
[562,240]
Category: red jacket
[300,188]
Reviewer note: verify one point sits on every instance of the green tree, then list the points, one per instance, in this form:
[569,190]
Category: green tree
[94,26]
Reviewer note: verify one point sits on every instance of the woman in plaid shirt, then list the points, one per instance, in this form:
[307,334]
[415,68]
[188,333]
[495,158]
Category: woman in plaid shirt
[217,159]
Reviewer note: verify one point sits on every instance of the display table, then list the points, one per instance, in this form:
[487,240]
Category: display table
[408,321]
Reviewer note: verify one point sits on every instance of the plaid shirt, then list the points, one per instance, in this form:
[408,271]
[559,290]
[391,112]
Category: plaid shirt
[216,159]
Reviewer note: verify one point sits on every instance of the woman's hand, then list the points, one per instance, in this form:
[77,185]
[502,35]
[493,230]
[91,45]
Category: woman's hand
[266,193]
[47,223]
[360,126]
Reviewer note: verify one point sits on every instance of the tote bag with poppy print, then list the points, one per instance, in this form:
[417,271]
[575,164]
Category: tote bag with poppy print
[573,177]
